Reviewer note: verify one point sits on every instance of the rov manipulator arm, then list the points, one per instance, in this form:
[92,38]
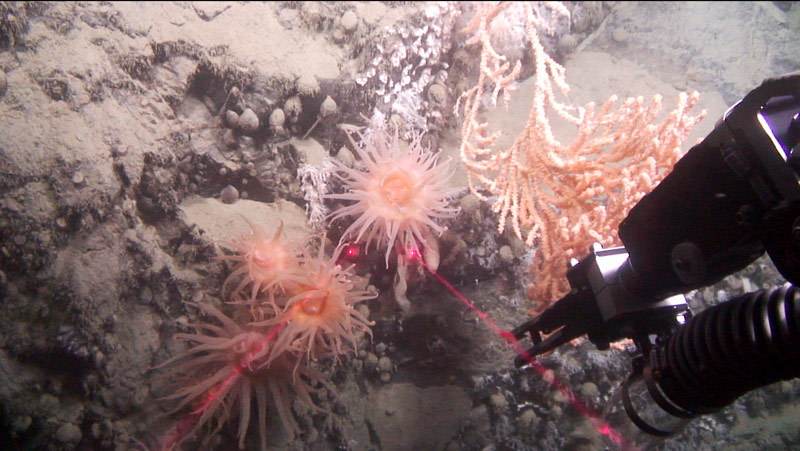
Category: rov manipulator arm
[729,199]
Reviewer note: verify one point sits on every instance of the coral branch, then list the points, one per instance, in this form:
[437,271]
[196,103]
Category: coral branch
[562,197]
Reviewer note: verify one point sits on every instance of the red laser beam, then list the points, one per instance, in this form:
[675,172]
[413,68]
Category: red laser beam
[599,424]
[183,427]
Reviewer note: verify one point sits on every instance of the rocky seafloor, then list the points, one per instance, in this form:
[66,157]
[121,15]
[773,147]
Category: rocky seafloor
[133,135]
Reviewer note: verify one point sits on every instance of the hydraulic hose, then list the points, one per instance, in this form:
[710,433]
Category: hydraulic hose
[728,350]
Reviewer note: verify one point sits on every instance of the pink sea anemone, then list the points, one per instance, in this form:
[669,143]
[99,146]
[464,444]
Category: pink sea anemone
[398,197]
[320,319]
[266,265]
[223,370]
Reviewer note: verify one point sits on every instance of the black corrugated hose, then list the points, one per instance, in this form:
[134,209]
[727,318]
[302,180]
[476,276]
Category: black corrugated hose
[730,349]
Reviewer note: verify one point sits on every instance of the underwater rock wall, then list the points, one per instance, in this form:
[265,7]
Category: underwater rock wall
[132,135]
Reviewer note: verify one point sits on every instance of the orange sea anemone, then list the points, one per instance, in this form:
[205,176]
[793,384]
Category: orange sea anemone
[319,318]
[265,265]
[225,367]
[399,195]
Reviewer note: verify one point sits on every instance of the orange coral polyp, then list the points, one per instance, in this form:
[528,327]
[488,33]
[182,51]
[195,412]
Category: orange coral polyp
[396,187]
[246,352]
[262,259]
[318,306]
[313,306]
[268,261]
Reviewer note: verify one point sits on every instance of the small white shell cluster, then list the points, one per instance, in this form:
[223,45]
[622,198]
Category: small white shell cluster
[407,62]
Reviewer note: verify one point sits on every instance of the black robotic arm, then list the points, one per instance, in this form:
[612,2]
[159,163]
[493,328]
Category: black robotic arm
[727,201]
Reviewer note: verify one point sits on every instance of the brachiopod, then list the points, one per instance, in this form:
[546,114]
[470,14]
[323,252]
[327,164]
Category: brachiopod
[229,194]
[232,118]
[328,107]
[293,108]
[248,121]
[276,120]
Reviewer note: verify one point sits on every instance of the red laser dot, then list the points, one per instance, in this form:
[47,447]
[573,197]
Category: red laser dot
[413,253]
[508,337]
[352,251]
